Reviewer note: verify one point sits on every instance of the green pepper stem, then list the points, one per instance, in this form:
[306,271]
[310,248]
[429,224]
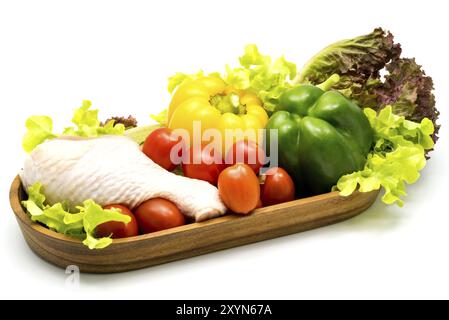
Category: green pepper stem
[329,83]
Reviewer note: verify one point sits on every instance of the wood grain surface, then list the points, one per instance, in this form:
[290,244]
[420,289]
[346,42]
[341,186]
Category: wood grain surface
[189,240]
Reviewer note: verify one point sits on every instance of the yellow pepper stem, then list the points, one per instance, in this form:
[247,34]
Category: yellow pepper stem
[228,103]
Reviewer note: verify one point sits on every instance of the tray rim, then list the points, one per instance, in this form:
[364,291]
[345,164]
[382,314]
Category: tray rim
[20,213]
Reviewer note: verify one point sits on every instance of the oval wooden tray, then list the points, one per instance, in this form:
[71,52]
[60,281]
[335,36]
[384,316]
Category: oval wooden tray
[189,240]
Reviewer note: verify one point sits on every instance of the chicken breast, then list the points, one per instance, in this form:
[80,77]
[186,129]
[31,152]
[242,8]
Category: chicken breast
[113,170]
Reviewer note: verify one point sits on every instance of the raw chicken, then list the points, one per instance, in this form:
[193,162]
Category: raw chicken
[113,170]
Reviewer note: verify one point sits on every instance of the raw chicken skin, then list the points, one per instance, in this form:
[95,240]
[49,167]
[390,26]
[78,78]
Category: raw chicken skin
[113,170]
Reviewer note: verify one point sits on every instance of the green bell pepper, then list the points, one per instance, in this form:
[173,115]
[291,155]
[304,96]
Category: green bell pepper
[321,136]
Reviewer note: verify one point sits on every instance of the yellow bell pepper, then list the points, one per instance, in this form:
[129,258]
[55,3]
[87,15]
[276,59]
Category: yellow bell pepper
[217,106]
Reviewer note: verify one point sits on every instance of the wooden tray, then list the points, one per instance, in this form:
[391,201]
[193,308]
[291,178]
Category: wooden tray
[189,240]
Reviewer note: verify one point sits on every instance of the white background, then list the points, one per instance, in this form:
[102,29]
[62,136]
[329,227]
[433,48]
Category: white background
[54,54]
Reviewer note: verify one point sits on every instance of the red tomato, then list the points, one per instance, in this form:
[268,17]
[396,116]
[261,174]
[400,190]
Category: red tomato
[239,188]
[158,146]
[248,152]
[203,164]
[117,229]
[278,187]
[158,214]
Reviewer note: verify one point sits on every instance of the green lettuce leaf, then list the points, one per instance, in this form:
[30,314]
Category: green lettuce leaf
[390,171]
[397,157]
[86,120]
[258,73]
[88,125]
[81,224]
[111,128]
[139,134]
[179,78]
[50,216]
[36,196]
[94,215]
[40,128]
[161,118]
[54,218]
[238,77]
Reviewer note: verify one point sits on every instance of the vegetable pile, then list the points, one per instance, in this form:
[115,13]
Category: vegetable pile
[357,116]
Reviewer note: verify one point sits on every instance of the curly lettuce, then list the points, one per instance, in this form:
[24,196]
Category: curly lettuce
[161,117]
[81,224]
[396,158]
[129,122]
[259,73]
[360,61]
[408,90]
[40,128]
[355,60]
